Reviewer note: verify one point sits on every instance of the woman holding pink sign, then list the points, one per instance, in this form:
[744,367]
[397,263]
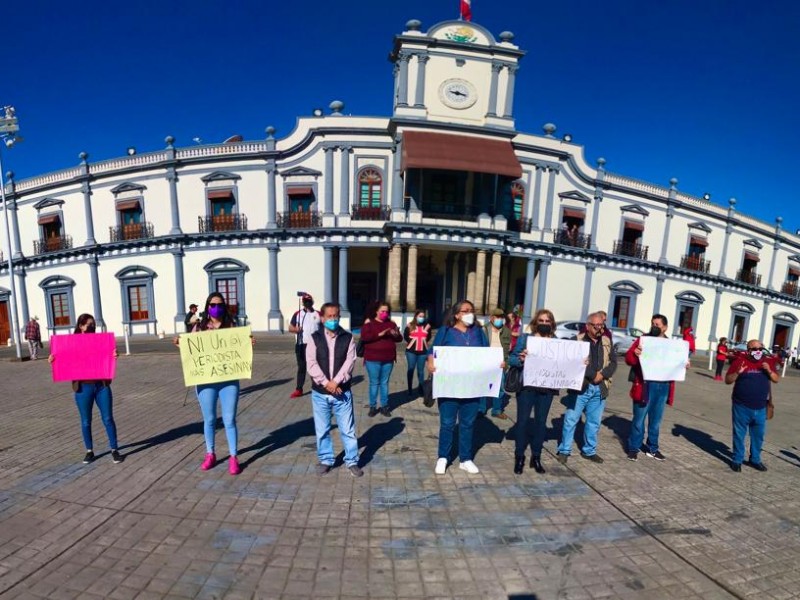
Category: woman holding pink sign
[91,392]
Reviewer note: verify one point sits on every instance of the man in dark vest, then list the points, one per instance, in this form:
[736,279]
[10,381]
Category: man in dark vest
[331,356]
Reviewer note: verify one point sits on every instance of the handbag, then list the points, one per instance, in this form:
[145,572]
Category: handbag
[513,380]
[427,392]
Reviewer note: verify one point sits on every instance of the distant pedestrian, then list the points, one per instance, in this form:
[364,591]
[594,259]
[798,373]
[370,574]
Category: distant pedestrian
[380,336]
[91,392]
[751,375]
[191,317]
[688,336]
[331,356]
[514,325]
[793,355]
[499,336]
[34,337]
[417,335]
[304,323]
[722,357]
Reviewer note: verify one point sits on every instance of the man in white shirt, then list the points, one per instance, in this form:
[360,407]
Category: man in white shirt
[305,323]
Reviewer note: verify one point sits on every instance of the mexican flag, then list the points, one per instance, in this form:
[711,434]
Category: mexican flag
[466,10]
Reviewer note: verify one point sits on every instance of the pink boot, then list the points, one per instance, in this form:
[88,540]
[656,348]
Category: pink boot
[209,462]
[233,466]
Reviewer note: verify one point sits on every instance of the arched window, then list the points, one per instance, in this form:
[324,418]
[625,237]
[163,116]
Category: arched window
[58,302]
[370,185]
[226,276]
[138,302]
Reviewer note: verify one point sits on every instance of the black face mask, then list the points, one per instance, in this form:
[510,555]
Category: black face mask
[543,329]
[308,304]
[654,332]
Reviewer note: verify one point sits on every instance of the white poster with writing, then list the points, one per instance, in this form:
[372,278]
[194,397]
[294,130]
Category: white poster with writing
[555,364]
[663,359]
[463,372]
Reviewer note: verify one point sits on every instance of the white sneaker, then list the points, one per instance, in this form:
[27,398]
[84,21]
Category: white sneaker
[441,466]
[469,466]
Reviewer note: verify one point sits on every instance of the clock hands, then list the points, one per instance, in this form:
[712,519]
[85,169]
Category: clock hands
[458,93]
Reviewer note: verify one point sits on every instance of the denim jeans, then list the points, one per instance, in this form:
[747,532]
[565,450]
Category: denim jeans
[87,395]
[527,430]
[497,403]
[753,420]
[592,402]
[228,394]
[379,373]
[324,406]
[415,361]
[657,396]
[464,410]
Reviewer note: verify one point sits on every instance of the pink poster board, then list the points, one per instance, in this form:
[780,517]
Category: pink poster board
[83,356]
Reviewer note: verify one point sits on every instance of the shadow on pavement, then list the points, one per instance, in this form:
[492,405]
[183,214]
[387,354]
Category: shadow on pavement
[704,441]
[621,429]
[792,456]
[280,438]
[374,438]
[168,436]
[486,432]
[264,385]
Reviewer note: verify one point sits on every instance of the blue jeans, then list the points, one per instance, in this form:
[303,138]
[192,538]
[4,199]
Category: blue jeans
[87,395]
[497,403]
[591,401]
[228,394]
[531,431]
[753,420]
[657,396]
[464,410]
[324,406]
[415,361]
[379,373]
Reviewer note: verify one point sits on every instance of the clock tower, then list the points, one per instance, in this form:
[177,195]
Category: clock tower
[456,72]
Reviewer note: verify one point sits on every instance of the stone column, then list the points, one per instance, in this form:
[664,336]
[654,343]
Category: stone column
[494,282]
[172,178]
[480,283]
[775,247]
[402,99]
[598,200]
[587,289]
[272,195]
[180,292]
[23,294]
[411,279]
[548,213]
[544,264]
[397,179]
[327,266]
[530,273]
[496,68]
[712,334]
[763,329]
[660,278]
[274,317]
[512,76]
[536,198]
[97,303]
[12,207]
[87,212]
[343,271]
[728,231]
[471,286]
[462,278]
[673,191]
[393,276]
[422,61]
[344,183]
[328,199]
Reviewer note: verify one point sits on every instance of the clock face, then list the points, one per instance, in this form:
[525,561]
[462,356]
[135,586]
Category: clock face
[458,93]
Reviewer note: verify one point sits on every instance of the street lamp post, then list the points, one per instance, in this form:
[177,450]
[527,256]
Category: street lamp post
[8,131]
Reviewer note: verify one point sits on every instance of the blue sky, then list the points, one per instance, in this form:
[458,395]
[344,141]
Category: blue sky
[703,90]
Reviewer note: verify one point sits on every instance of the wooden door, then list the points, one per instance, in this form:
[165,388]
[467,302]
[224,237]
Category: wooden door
[5,326]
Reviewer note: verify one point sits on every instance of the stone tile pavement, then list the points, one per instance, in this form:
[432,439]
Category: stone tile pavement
[156,526]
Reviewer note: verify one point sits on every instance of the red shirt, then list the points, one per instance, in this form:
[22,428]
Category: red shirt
[380,348]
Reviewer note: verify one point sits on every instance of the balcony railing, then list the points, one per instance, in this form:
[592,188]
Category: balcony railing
[212,223]
[520,225]
[299,220]
[695,263]
[134,231]
[633,249]
[577,240]
[792,288]
[746,276]
[370,213]
[52,244]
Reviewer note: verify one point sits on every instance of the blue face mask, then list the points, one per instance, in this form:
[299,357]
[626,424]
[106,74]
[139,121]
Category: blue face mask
[421,320]
[332,324]
[498,323]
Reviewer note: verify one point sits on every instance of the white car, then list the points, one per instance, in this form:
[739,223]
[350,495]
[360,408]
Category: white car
[623,338]
[568,330]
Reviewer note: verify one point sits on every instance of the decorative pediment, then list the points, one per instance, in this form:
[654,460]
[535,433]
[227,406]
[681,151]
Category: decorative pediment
[226,264]
[128,186]
[785,316]
[690,296]
[48,202]
[754,243]
[700,226]
[136,272]
[635,208]
[575,195]
[220,176]
[744,307]
[300,172]
[56,281]
[626,286]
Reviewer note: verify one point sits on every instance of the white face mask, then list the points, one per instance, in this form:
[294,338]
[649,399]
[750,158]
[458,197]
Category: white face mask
[468,319]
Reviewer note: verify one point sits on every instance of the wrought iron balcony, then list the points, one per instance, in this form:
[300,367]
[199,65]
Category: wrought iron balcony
[299,220]
[577,240]
[695,263]
[633,249]
[213,223]
[791,288]
[52,244]
[748,276]
[134,231]
[520,225]
[370,213]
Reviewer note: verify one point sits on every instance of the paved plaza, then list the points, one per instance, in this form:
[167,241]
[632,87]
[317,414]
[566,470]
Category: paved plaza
[156,526]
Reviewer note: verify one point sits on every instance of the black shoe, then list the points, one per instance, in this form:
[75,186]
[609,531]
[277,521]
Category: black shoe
[356,471]
[593,457]
[372,411]
[116,457]
[759,466]
[88,458]
[657,455]
[633,456]
[736,467]
[385,411]
[536,464]
[519,464]
[323,469]
[562,458]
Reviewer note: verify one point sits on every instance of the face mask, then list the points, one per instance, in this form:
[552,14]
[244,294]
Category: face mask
[332,324]
[383,315]
[91,328]
[543,329]
[421,320]
[468,319]
[654,331]
[308,304]
[498,323]
[756,354]
[215,310]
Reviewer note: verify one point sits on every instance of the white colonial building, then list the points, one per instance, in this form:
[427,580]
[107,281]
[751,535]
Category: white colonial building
[443,200]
